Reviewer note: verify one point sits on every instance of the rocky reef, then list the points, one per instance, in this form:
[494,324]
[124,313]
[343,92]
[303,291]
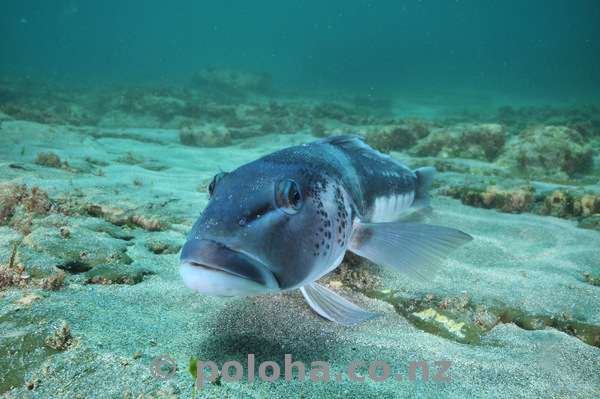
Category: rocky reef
[556,151]
[483,142]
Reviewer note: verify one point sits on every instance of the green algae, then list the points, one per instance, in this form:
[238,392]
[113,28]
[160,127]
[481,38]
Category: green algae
[493,197]
[460,320]
[455,319]
[19,206]
[23,347]
[587,333]
[194,372]
[567,204]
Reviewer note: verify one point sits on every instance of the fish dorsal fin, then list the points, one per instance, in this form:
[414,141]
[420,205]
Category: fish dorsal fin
[333,307]
[357,145]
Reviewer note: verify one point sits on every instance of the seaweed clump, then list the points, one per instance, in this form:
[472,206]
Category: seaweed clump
[50,160]
[62,339]
[567,204]
[38,201]
[10,277]
[12,196]
[54,282]
[13,276]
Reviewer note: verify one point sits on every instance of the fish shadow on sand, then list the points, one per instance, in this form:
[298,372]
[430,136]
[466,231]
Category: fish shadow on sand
[273,325]
[269,327]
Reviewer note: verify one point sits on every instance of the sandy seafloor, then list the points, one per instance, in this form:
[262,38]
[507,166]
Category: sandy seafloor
[519,263]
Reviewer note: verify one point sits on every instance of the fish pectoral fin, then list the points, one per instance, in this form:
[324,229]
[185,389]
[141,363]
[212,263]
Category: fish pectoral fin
[333,307]
[414,249]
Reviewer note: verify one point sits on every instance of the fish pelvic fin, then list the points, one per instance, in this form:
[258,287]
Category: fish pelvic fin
[333,307]
[414,249]
[424,179]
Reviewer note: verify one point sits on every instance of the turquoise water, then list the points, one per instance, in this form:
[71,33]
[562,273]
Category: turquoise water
[535,48]
[115,116]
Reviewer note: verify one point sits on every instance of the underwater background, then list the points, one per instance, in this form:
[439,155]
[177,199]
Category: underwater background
[116,115]
[532,49]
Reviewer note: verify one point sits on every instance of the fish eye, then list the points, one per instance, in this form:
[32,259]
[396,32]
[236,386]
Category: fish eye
[213,183]
[288,196]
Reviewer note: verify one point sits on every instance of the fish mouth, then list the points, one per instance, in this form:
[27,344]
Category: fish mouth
[207,267]
[212,268]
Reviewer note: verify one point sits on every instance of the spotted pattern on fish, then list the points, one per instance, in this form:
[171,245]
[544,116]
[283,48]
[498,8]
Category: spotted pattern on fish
[285,220]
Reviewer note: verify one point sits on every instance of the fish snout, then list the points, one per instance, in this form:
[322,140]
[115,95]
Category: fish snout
[212,268]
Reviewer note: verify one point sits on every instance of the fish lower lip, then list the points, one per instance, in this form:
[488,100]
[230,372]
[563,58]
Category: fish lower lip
[214,256]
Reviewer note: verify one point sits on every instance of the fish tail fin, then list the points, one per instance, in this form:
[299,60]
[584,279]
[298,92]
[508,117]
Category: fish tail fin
[414,249]
[424,179]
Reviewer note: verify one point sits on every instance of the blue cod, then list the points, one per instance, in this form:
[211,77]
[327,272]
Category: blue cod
[285,220]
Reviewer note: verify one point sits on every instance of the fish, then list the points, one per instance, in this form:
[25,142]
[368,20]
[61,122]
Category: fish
[287,219]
